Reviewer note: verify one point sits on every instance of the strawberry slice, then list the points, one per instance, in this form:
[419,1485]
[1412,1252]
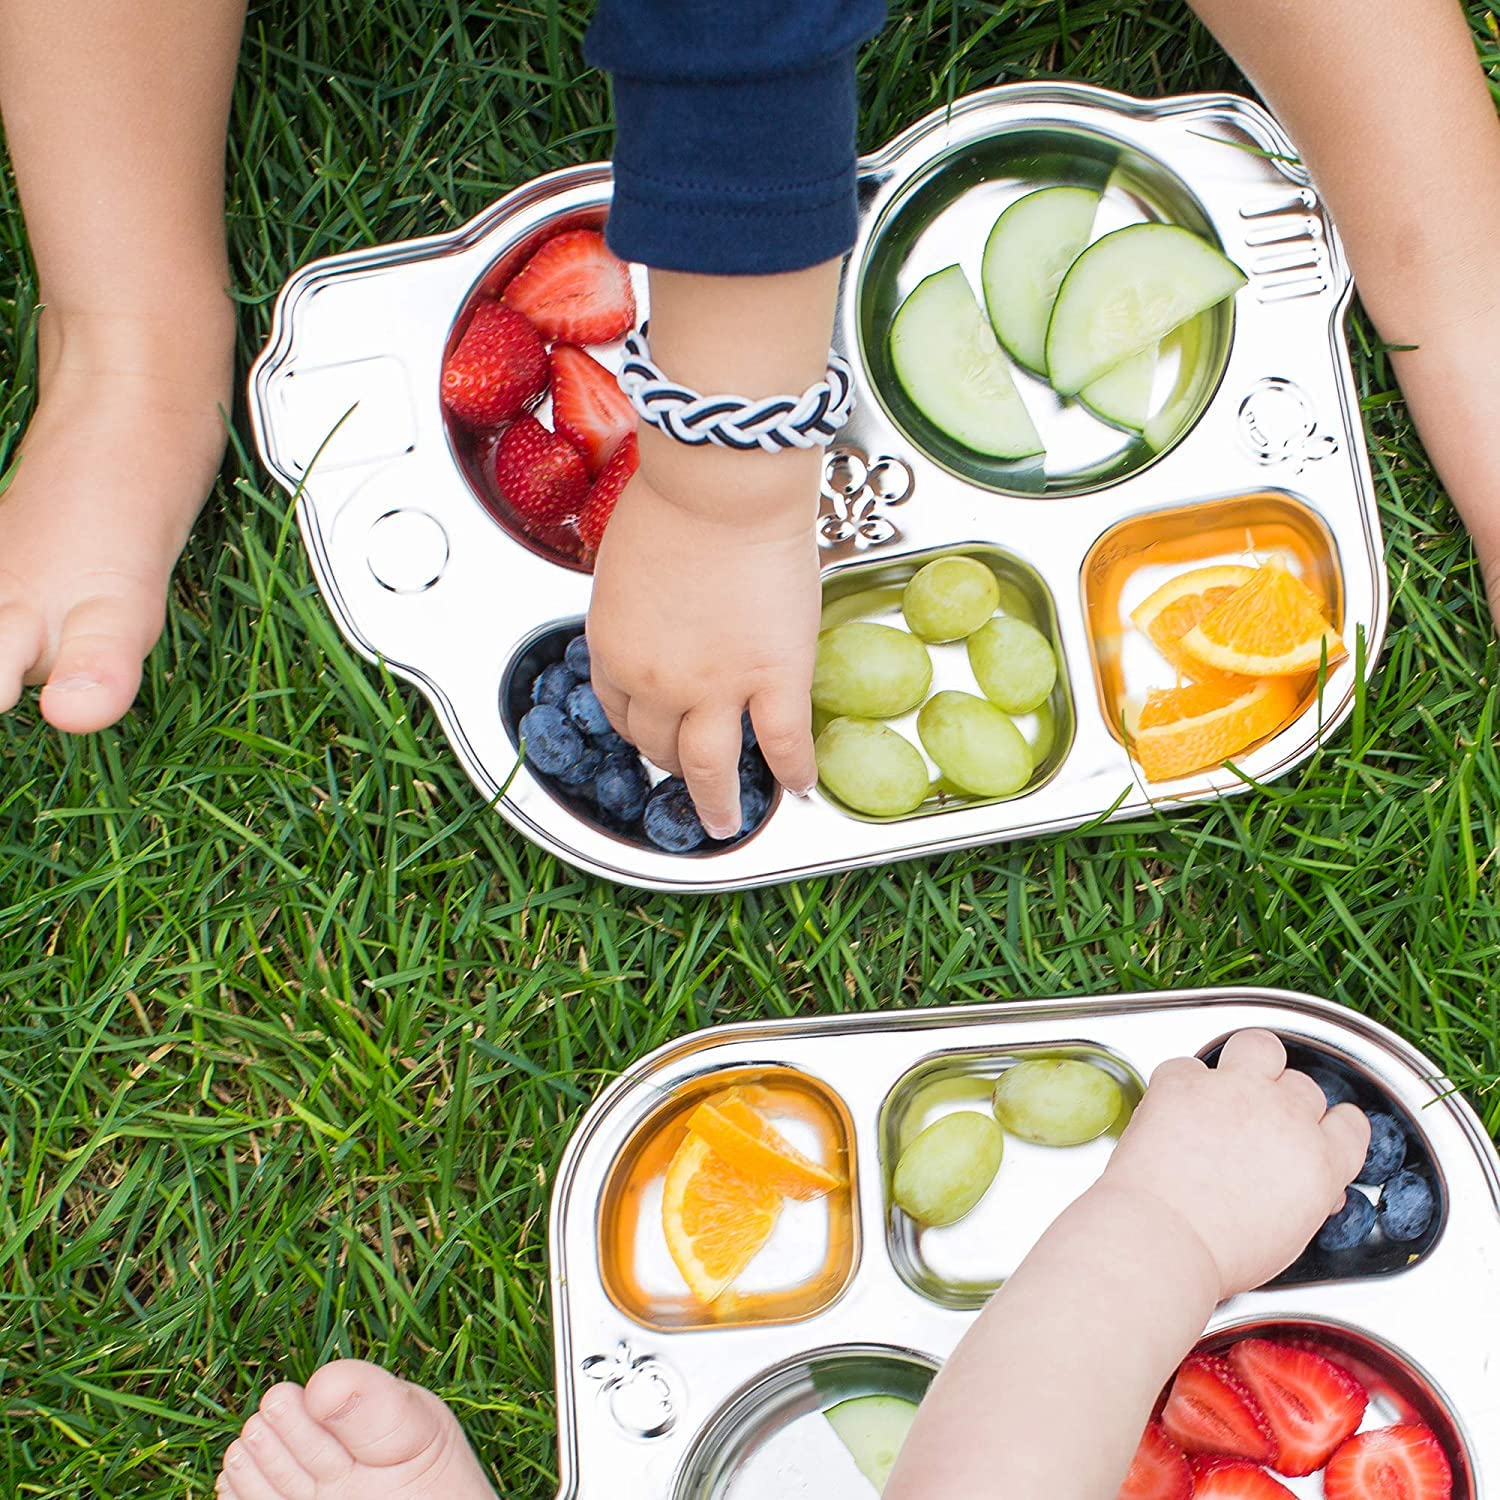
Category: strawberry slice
[1312,1404]
[1235,1479]
[588,406]
[1390,1463]
[542,475]
[574,289]
[600,505]
[498,369]
[1210,1411]
[1159,1470]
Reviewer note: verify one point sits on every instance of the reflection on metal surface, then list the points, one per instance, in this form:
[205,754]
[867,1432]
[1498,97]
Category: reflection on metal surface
[639,1388]
[408,550]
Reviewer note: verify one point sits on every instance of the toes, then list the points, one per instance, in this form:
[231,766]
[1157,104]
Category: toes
[276,1461]
[244,1478]
[284,1407]
[97,668]
[23,637]
[379,1419]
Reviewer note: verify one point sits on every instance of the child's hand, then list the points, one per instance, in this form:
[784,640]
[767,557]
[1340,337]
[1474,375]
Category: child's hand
[1246,1154]
[699,612]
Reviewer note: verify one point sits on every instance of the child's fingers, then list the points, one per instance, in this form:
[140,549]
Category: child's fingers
[654,734]
[616,704]
[783,726]
[708,746]
[1254,1051]
[1307,1098]
[1178,1067]
[1347,1131]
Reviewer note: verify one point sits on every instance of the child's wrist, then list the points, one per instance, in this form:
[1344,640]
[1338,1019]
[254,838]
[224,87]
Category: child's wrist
[755,493]
[1165,1232]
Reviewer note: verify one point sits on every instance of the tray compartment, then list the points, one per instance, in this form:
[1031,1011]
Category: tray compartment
[944,215]
[871,592]
[809,1259]
[771,1440]
[1134,558]
[960,1265]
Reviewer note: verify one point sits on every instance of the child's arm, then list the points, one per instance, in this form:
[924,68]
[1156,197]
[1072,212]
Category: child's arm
[1220,1181]
[735,183]
[1389,108]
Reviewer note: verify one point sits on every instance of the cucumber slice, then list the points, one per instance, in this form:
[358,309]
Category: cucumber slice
[873,1428]
[945,355]
[1163,427]
[1122,396]
[1026,257]
[1127,291]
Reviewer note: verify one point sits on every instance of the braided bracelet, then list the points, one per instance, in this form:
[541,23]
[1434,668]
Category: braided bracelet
[810,420]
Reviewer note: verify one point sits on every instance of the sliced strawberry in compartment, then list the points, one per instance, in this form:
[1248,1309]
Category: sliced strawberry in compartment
[588,406]
[498,368]
[1210,1411]
[1312,1403]
[541,475]
[1390,1463]
[1159,1470]
[1235,1479]
[574,288]
[600,505]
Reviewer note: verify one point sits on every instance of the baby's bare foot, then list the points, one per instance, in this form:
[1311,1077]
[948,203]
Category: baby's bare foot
[123,448]
[355,1433]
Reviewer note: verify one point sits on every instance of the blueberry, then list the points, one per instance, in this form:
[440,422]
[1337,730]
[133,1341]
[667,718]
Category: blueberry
[553,684]
[1407,1204]
[621,787]
[552,744]
[754,801]
[587,712]
[748,740]
[1350,1226]
[1387,1150]
[1336,1088]
[576,657]
[580,775]
[612,744]
[670,820]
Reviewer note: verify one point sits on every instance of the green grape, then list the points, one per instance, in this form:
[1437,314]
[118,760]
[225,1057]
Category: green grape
[976,746]
[1057,1101]
[949,598]
[1014,664]
[1013,602]
[855,606]
[1043,734]
[949,1167]
[871,671]
[871,768]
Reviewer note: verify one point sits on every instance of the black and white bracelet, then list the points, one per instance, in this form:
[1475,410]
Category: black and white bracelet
[811,420]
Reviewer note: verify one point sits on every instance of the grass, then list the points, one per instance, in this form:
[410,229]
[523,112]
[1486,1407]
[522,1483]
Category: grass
[293,1030]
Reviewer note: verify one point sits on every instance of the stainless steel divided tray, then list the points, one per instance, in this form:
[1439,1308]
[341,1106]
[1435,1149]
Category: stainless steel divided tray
[664,1398]
[424,568]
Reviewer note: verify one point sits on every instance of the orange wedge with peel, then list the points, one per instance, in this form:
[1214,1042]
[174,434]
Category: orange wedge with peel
[1182,603]
[744,1138]
[1272,627]
[1189,728]
[716,1218]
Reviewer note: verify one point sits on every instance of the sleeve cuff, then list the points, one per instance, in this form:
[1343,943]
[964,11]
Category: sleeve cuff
[736,179]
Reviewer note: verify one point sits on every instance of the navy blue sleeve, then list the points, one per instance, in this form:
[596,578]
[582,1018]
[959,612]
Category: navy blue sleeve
[735,129]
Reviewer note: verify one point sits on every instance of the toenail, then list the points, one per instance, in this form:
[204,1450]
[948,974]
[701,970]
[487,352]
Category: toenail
[339,1413]
[274,1401]
[255,1435]
[75,684]
[234,1458]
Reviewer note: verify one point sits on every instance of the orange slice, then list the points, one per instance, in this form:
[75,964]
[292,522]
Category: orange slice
[1187,728]
[744,1138]
[1180,604]
[716,1219]
[1272,627]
